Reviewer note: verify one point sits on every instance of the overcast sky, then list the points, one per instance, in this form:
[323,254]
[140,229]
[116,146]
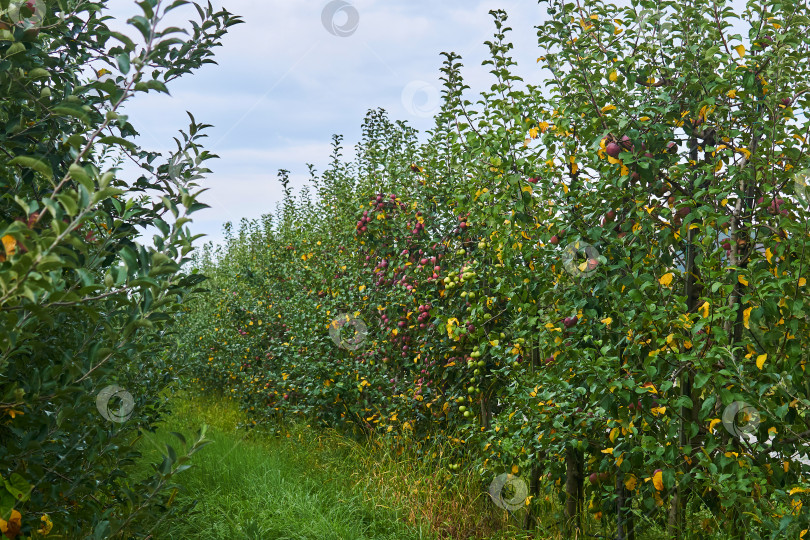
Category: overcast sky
[299,71]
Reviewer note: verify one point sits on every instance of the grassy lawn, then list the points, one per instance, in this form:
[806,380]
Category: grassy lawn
[303,485]
[297,482]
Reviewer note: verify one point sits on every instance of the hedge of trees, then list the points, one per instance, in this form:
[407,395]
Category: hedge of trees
[598,285]
[91,263]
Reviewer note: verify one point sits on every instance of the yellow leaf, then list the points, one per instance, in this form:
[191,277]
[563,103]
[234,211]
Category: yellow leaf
[630,482]
[362,288]
[746,317]
[712,423]
[607,451]
[607,108]
[768,255]
[613,434]
[9,245]
[658,481]
[742,280]
[613,161]
[705,309]
[613,76]
[515,469]
[732,93]
[761,360]
[802,282]
[666,279]
[607,320]
[740,50]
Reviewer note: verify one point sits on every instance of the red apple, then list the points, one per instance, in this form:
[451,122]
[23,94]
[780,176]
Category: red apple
[613,150]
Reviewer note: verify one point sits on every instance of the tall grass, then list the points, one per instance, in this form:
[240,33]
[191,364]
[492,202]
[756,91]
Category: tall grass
[259,486]
[293,481]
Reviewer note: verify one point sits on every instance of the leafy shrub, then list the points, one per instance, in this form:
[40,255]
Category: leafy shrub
[87,300]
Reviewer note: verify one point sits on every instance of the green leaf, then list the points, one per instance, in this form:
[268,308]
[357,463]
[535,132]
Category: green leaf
[18,487]
[701,379]
[129,145]
[33,163]
[123,62]
[72,110]
[707,407]
[38,73]
[80,175]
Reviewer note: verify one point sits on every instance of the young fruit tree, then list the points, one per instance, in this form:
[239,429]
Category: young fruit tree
[91,260]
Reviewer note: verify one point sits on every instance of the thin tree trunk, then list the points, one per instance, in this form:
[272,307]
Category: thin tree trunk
[530,520]
[486,411]
[620,502]
[574,488]
[625,525]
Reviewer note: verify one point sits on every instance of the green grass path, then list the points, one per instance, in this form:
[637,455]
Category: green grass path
[268,487]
